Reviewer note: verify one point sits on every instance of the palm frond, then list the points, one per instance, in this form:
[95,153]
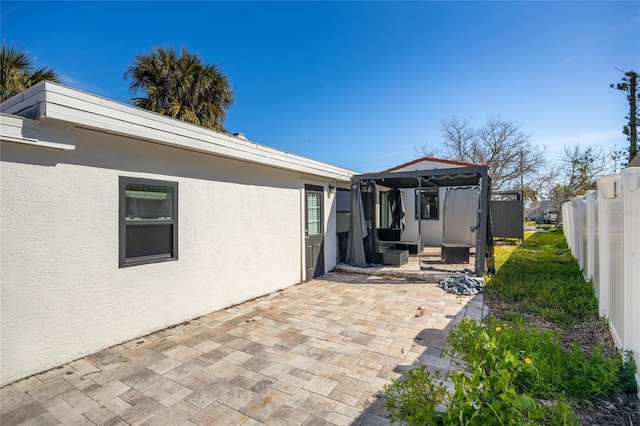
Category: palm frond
[180,86]
[17,73]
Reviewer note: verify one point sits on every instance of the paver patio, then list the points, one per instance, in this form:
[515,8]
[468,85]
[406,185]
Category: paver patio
[317,353]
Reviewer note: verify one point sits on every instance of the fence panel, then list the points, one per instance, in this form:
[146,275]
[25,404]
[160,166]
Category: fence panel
[616,269]
[631,198]
[584,237]
[567,225]
[603,232]
[581,228]
[508,218]
[578,224]
[610,209]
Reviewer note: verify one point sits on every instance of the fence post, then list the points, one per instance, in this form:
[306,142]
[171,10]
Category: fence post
[592,238]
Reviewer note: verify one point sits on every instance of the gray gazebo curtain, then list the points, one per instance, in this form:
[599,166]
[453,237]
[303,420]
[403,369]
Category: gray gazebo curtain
[460,215]
[357,229]
[396,206]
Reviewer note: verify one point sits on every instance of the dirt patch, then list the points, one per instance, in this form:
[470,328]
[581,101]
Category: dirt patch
[620,410]
[588,336]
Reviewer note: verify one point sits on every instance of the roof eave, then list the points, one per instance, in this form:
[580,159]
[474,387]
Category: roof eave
[58,102]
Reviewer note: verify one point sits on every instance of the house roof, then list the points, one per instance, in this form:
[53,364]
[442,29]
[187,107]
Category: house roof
[460,173]
[635,162]
[434,160]
[70,108]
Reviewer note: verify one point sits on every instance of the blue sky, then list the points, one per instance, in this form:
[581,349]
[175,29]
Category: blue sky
[360,84]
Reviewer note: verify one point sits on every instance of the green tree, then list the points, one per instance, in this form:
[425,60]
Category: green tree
[181,86]
[17,72]
[629,87]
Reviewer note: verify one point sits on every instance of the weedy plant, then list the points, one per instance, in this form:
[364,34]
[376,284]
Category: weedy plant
[549,370]
[516,373]
[491,390]
[417,399]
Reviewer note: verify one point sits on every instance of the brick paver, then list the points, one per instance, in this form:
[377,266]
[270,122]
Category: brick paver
[317,353]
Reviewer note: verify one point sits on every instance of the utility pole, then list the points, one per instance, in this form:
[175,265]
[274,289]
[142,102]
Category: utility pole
[521,170]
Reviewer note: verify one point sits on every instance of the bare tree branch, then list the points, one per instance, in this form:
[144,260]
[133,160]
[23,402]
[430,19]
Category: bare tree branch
[500,144]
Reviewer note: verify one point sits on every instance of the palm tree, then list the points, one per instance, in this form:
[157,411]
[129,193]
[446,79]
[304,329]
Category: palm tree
[17,73]
[181,86]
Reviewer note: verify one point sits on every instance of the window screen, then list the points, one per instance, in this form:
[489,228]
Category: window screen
[148,221]
[313,213]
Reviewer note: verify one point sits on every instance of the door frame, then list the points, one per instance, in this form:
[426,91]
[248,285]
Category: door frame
[303,222]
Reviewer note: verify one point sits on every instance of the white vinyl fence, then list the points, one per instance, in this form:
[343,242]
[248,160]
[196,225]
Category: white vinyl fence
[602,229]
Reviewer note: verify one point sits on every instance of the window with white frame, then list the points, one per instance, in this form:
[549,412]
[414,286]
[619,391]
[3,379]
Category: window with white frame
[314,213]
[427,207]
[148,221]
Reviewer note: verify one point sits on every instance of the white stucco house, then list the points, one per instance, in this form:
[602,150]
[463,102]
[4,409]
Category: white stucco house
[117,222]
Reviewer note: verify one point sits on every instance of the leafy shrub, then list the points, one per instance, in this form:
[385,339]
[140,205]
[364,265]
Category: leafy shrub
[492,391]
[573,373]
[515,375]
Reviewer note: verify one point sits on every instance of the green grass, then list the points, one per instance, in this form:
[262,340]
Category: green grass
[541,277]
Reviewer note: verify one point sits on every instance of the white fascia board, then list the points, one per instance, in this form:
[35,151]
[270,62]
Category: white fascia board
[33,97]
[13,126]
[85,110]
[14,129]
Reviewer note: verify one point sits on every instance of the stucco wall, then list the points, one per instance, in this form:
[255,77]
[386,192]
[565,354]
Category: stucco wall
[431,228]
[63,295]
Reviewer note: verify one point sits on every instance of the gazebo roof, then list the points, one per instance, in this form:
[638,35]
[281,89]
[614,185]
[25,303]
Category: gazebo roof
[457,176]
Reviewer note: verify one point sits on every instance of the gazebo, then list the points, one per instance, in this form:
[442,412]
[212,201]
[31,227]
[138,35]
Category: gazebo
[364,200]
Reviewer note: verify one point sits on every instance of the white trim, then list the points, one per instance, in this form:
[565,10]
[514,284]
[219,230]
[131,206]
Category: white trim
[24,131]
[62,103]
[34,142]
